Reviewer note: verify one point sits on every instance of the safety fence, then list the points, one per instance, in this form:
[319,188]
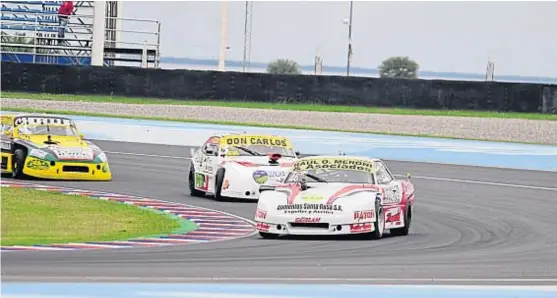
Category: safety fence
[260,87]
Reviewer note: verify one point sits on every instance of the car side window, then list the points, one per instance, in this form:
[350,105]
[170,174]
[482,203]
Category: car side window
[382,174]
[211,146]
[7,129]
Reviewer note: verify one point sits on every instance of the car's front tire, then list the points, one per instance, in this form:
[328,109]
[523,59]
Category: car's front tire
[379,224]
[407,220]
[219,179]
[18,164]
[268,235]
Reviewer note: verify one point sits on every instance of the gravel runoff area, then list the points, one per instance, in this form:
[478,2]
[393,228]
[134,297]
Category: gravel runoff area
[514,130]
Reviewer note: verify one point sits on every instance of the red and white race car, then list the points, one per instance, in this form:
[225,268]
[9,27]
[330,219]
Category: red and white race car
[236,165]
[335,195]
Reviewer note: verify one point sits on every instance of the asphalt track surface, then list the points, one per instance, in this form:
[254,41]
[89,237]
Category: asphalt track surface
[471,225]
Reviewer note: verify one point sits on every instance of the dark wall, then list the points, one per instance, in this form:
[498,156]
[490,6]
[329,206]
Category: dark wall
[337,90]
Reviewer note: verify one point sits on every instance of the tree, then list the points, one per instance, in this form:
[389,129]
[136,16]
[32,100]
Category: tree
[284,66]
[399,67]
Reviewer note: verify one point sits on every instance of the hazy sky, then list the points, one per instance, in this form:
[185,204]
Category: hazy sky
[441,36]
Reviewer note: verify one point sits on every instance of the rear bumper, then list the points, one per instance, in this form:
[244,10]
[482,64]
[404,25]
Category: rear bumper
[63,170]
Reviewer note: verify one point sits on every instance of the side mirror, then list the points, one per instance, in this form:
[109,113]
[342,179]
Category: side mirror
[297,153]
[408,176]
[81,135]
[263,188]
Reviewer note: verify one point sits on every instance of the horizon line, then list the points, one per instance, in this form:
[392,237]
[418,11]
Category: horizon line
[332,68]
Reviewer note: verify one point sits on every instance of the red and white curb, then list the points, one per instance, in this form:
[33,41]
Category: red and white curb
[213,225]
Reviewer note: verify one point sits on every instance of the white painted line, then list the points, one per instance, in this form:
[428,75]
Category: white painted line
[401,176]
[482,182]
[148,155]
[283,279]
[184,294]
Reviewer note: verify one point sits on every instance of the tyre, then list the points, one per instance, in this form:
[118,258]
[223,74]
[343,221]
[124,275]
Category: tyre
[407,220]
[379,224]
[219,179]
[191,181]
[18,164]
[268,235]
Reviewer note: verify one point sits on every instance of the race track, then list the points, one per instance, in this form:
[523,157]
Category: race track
[469,224]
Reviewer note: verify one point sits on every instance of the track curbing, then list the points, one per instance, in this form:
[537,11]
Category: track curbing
[213,225]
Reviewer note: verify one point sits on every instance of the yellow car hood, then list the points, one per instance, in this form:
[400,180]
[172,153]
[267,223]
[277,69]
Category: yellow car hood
[61,141]
[64,147]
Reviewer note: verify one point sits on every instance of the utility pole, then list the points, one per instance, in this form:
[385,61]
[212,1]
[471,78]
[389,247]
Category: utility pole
[247,34]
[223,35]
[349,41]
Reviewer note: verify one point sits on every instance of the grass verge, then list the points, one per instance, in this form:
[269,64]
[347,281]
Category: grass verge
[279,106]
[32,217]
[64,112]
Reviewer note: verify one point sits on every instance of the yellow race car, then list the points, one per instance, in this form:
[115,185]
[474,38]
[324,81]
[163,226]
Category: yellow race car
[49,147]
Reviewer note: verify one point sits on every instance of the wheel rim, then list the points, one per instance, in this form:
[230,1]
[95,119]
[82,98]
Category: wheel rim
[14,167]
[381,222]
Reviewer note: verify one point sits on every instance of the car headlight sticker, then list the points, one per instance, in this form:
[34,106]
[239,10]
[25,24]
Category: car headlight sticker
[102,157]
[38,153]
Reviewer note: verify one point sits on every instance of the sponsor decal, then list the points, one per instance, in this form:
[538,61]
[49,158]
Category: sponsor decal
[6,145]
[307,219]
[261,226]
[334,163]
[38,153]
[312,198]
[255,140]
[201,181]
[309,206]
[40,165]
[277,175]
[363,215]
[260,213]
[42,120]
[72,153]
[226,184]
[359,228]
[261,177]
[393,215]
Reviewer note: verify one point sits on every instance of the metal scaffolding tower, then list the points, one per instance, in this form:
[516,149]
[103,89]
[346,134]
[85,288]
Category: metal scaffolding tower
[247,35]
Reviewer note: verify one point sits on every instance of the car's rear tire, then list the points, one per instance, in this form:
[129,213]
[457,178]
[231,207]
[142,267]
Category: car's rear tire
[219,179]
[18,163]
[194,192]
[407,220]
[379,224]
[268,235]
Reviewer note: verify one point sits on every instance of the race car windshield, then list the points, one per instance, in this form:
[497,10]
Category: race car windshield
[53,130]
[331,176]
[260,150]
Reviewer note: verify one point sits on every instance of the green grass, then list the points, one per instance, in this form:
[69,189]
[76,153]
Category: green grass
[38,217]
[280,106]
[63,112]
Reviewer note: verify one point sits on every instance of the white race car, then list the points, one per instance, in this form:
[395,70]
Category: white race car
[236,165]
[335,195]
